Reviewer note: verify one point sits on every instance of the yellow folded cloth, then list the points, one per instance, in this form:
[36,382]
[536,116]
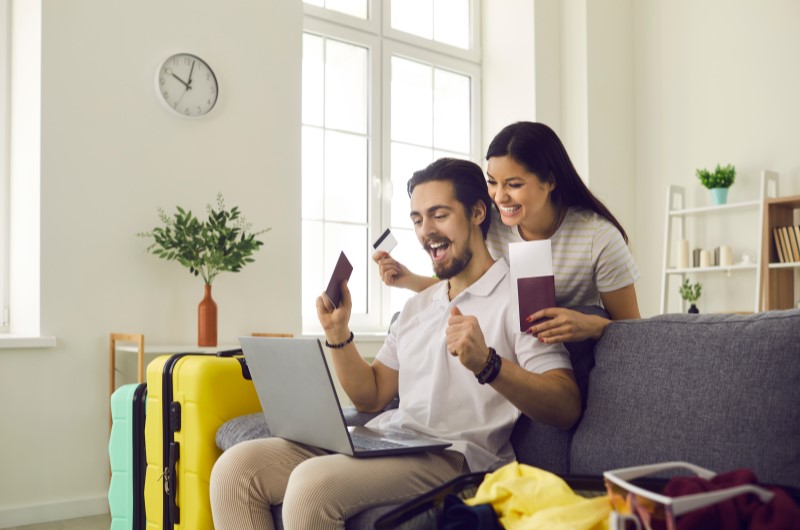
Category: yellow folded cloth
[529,498]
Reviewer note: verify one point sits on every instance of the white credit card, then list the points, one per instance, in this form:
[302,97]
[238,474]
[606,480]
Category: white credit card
[386,242]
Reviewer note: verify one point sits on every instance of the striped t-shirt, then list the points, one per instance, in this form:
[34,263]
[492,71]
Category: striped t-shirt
[589,256]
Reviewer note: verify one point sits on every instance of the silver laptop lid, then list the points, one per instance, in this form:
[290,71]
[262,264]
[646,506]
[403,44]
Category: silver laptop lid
[292,378]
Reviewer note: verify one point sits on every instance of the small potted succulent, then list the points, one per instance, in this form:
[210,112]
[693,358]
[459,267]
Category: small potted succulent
[690,293]
[718,181]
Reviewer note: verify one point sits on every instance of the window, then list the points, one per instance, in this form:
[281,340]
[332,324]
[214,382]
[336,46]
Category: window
[388,87]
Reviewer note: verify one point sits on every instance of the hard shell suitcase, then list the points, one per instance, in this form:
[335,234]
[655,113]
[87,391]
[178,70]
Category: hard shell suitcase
[127,458]
[189,396]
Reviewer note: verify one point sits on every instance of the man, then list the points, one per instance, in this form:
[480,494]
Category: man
[462,372]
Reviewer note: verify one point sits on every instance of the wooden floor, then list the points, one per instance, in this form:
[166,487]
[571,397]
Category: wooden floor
[96,522]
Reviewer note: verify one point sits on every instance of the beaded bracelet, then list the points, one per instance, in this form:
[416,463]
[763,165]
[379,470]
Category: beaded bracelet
[492,368]
[341,344]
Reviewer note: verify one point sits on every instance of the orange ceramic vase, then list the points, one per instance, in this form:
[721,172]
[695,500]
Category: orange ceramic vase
[207,320]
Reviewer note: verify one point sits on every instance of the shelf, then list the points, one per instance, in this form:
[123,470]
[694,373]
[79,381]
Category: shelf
[715,209]
[678,216]
[737,267]
[160,349]
[787,265]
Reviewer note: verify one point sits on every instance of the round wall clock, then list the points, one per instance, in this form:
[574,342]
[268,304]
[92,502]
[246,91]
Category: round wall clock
[187,85]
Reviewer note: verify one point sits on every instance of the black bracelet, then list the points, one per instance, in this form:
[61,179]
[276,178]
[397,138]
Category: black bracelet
[342,344]
[492,368]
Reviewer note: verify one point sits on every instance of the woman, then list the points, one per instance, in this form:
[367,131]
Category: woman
[538,195]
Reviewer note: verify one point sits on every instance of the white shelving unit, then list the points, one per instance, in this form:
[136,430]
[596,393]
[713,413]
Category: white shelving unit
[677,213]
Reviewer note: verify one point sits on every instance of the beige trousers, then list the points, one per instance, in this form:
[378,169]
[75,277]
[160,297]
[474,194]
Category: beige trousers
[318,490]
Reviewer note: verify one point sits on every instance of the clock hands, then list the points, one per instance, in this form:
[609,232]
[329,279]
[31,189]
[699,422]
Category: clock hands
[190,75]
[184,83]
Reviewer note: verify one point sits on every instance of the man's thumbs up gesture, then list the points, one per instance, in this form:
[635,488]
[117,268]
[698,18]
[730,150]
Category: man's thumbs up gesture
[465,340]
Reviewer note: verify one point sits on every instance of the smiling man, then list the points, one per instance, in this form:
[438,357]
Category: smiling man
[453,357]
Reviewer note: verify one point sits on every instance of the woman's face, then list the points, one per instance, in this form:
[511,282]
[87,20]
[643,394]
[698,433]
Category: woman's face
[520,196]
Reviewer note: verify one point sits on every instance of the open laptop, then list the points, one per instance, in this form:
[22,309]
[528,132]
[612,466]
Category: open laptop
[299,400]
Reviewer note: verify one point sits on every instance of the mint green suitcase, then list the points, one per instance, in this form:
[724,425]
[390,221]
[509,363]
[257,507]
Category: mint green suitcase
[126,452]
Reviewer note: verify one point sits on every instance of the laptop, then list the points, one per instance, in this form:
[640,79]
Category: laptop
[299,401]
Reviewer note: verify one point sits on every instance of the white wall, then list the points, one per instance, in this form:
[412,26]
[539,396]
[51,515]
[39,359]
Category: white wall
[111,154]
[715,82]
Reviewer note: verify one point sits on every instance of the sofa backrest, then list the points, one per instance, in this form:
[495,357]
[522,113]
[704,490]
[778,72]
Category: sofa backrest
[544,446]
[720,391]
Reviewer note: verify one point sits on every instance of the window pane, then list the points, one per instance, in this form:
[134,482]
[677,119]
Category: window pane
[413,16]
[406,159]
[346,87]
[451,22]
[354,8]
[346,183]
[313,173]
[451,111]
[313,80]
[352,240]
[408,252]
[312,273]
[412,102]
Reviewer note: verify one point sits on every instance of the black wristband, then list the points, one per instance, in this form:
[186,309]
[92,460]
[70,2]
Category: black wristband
[492,368]
[341,344]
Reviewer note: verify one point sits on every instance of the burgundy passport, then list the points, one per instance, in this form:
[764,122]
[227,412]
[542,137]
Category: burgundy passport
[341,272]
[534,294]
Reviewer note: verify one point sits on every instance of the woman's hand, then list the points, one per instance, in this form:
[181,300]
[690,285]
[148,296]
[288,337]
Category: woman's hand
[395,274]
[566,325]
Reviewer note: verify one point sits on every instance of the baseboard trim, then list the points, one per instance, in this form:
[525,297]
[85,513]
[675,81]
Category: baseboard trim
[54,511]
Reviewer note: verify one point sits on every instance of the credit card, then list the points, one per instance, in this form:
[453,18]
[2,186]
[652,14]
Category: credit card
[341,272]
[386,242]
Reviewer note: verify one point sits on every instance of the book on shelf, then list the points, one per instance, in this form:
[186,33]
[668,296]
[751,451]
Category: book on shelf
[776,235]
[787,243]
[795,245]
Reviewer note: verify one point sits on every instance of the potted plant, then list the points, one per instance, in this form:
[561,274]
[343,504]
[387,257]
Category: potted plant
[691,293]
[718,181]
[224,242]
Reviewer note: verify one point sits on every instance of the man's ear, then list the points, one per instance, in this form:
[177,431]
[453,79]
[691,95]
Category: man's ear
[479,213]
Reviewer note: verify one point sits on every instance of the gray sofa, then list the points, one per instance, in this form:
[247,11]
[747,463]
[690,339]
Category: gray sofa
[720,391]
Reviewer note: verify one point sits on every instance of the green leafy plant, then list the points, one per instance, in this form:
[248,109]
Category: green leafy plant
[690,292]
[224,242]
[721,177]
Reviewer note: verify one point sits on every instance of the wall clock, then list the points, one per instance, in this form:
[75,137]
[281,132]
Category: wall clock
[187,85]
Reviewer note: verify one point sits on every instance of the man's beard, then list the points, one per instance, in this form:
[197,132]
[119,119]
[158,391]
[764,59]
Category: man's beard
[457,264]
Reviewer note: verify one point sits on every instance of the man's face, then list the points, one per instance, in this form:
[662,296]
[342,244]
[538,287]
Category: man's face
[442,227]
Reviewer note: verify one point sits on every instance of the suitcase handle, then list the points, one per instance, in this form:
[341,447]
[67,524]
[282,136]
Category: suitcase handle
[230,353]
[238,354]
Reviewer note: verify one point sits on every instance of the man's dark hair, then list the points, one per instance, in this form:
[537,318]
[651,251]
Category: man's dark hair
[468,182]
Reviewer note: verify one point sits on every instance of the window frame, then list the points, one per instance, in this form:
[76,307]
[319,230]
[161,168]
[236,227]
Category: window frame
[5,164]
[383,43]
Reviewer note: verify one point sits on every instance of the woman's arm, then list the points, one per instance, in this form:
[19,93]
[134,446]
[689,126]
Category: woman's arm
[566,325]
[395,274]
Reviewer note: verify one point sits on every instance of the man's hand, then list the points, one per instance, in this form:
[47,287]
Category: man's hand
[566,325]
[335,321]
[465,341]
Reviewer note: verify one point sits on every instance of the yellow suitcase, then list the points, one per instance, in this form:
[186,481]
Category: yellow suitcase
[189,395]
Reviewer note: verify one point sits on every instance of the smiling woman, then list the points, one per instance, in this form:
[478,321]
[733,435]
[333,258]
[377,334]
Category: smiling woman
[538,194]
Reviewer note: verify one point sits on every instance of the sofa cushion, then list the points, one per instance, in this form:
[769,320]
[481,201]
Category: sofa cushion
[544,446]
[721,391]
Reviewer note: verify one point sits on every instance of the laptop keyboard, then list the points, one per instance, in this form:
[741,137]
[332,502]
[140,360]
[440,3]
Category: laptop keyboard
[370,444]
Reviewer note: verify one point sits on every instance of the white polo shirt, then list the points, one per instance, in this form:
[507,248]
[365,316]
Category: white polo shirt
[438,395]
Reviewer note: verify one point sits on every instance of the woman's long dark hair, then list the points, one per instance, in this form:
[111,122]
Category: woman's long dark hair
[538,149]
